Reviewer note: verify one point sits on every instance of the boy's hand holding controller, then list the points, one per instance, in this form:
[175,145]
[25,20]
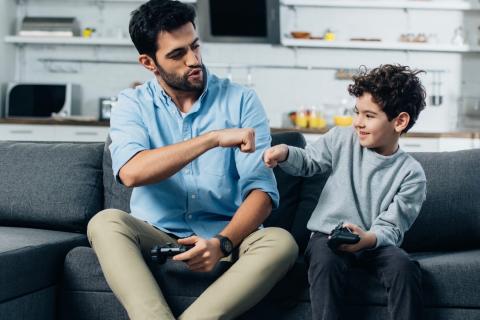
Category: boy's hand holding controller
[275,155]
[367,239]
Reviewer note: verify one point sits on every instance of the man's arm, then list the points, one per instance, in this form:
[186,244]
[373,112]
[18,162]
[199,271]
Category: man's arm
[206,253]
[152,166]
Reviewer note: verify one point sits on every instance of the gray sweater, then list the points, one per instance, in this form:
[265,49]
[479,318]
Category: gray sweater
[382,194]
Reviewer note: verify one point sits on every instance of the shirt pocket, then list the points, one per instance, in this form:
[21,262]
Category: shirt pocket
[215,161]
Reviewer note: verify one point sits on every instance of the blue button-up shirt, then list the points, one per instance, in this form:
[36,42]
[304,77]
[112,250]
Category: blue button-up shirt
[203,196]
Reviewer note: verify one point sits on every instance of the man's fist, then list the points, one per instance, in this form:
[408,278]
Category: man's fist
[244,138]
[274,155]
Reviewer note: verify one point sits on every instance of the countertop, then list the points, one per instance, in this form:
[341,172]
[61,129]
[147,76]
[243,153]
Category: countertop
[85,122]
[51,121]
[452,134]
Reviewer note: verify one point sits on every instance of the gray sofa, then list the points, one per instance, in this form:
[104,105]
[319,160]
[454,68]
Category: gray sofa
[49,191]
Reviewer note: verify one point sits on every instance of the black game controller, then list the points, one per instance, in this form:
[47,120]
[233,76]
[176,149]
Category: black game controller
[341,235]
[160,253]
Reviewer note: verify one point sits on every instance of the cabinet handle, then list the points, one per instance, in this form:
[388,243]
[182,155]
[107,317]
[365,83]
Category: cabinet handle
[412,145]
[84,133]
[21,131]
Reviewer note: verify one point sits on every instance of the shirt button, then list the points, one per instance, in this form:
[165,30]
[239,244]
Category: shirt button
[187,171]
[194,196]
[189,216]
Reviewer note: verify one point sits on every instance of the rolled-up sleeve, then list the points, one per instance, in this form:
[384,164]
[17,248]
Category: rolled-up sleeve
[251,169]
[127,131]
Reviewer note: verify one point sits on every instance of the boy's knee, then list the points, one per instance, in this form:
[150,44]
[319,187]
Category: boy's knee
[405,267]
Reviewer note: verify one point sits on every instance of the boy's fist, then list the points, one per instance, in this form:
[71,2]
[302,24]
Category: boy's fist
[274,155]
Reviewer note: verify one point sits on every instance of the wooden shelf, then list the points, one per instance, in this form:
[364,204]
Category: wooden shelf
[69,41]
[378,45]
[384,4]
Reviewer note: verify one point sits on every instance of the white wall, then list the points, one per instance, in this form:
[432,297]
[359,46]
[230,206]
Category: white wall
[281,90]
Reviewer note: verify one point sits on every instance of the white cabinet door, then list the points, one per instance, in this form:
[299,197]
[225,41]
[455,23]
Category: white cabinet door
[476,143]
[26,132]
[455,144]
[81,133]
[419,144]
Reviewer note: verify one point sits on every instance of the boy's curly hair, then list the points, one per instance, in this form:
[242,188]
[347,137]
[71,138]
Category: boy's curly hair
[395,88]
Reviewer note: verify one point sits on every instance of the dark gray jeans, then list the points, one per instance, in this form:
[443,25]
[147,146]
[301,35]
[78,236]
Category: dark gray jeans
[400,275]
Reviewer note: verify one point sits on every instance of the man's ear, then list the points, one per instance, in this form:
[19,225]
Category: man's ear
[401,121]
[147,62]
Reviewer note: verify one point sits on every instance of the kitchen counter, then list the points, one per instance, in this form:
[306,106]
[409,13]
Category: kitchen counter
[453,134]
[96,123]
[51,121]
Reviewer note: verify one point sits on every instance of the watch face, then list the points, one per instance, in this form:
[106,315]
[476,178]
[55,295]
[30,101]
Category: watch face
[227,245]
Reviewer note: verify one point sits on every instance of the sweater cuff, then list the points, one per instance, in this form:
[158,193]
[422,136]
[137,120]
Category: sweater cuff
[294,158]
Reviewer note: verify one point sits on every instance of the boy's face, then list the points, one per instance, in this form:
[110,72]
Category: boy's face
[373,128]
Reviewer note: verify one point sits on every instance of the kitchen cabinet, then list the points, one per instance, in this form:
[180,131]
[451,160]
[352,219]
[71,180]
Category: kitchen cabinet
[476,143]
[455,144]
[419,144]
[61,133]
[26,132]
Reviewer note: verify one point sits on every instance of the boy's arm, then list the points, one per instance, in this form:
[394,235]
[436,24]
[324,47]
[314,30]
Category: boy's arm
[390,226]
[315,158]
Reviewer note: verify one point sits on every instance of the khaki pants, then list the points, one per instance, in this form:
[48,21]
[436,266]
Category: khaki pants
[119,240]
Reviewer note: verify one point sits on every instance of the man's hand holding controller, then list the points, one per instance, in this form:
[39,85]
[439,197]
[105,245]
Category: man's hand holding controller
[274,155]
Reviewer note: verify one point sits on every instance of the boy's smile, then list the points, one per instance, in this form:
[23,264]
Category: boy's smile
[373,128]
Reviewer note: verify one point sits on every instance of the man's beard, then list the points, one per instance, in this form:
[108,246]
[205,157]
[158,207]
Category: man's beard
[182,83]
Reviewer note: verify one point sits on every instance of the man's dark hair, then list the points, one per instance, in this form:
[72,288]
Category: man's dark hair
[394,88]
[156,16]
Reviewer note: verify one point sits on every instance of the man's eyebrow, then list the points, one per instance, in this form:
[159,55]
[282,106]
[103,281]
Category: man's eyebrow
[178,50]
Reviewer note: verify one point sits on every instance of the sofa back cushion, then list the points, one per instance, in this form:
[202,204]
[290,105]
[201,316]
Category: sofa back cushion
[298,196]
[450,216]
[288,186]
[116,195]
[50,185]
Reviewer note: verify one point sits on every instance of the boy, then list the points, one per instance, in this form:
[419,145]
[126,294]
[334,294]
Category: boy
[374,186]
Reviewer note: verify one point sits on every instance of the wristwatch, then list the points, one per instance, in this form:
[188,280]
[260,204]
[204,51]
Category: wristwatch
[226,244]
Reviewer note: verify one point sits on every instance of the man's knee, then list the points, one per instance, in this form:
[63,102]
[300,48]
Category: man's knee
[105,221]
[283,244]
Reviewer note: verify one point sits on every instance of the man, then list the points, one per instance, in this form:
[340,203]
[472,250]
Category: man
[190,145]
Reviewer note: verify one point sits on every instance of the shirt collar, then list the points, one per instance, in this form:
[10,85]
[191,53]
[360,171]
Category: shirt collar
[161,97]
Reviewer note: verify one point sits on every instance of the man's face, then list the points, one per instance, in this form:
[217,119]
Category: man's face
[178,59]
[372,126]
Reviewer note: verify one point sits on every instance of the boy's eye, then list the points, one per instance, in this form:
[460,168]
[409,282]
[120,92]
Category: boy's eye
[195,46]
[370,116]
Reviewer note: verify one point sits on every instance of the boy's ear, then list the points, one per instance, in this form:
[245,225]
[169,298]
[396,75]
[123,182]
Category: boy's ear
[401,121]
[147,62]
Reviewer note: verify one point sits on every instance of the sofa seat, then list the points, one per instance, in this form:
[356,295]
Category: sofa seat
[31,259]
[450,280]
[84,283]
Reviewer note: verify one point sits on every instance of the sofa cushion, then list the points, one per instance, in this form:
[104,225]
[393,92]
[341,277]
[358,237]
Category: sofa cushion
[50,185]
[288,186]
[298,197]
[116,195]
[32,259]
[450,280]
[180,286]
[450,216]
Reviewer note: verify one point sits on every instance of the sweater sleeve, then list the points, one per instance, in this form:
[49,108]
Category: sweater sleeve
[315,158]
[391,225]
